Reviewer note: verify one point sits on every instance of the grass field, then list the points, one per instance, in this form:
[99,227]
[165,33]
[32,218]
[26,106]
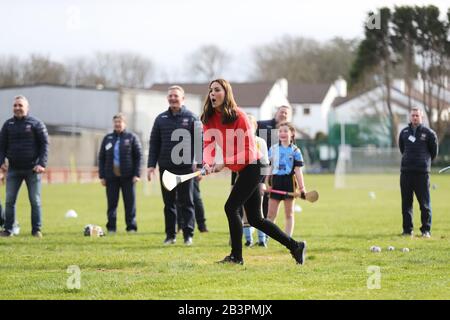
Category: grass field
[339,229]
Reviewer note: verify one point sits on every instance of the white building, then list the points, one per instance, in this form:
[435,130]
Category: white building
[312,104]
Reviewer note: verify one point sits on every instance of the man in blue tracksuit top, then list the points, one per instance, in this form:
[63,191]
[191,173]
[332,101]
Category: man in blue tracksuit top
[419,146]
[119,164]
[171,137]
[24,142]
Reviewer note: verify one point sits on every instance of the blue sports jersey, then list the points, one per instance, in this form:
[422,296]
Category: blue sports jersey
[284,159]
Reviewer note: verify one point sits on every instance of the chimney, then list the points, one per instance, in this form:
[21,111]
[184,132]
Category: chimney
[283,84]
[341,87]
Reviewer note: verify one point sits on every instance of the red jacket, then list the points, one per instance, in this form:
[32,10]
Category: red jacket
[236,140]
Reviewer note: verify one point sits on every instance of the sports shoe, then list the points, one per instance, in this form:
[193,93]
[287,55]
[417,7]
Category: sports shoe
[407,234]
[111,232]
[188,241]
[5,234]
[231,259]
[170,241]
[426,234]
[203,229]
[248,243]
[16,229]
[131,231]
[262,244]
[37,234]
[299,252]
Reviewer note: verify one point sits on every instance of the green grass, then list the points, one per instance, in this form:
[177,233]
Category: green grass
[339,229]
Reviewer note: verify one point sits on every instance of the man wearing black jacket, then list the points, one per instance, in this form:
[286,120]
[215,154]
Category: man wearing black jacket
[171,137]
[119,165]
[419,146]
[24,142]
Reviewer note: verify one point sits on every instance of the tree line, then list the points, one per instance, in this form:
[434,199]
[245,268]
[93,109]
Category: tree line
[296,58]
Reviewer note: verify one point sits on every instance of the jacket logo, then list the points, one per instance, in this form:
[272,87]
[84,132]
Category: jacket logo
[185,122]
[423,136]
[28,128]
[126,142]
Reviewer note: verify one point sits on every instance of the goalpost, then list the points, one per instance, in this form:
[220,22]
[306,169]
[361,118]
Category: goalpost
[354,163]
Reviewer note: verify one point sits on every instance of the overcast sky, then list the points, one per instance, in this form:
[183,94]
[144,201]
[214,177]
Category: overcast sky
[166,31]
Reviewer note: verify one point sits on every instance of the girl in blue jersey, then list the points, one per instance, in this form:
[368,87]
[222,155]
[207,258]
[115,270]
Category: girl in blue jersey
[286,162]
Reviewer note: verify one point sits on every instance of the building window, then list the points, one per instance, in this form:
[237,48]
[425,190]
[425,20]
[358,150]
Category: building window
[306,111]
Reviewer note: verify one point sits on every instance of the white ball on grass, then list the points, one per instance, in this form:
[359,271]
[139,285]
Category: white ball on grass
[71,214]
[405,250]
[391,248]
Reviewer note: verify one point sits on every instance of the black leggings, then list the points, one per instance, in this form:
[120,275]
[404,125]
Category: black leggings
[245,193]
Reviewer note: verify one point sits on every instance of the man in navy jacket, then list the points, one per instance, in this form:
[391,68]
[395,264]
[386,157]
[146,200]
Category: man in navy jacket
[419,146]
[172,147]
[24,142]
[119,163]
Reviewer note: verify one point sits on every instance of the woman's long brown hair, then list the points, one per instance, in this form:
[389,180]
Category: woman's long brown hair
[229,107]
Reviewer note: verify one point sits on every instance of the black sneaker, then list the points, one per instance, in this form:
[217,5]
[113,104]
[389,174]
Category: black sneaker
[231,259]
[248,243]
[262,244]
[203,229]
[299,252]
[169,241]
[407,234]
[5,234]
[188,241]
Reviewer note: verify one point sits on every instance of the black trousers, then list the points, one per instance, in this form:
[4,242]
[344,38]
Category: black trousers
[245,193]
[181,196]
[113,187]
[419,184]
[198,206]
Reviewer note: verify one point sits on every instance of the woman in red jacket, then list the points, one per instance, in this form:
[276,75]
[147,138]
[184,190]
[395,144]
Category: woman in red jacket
[228,133]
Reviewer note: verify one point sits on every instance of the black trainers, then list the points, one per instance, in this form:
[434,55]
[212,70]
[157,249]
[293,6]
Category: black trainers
[299,252]
[231,259]
[248,243]
[262,244]
[203,229]
[407,234]
[169,241]
[4,234]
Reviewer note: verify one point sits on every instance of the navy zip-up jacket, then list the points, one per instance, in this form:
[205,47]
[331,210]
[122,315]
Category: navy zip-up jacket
[417,154]
[264,131]
[161,144]
[130,152]
[24,142]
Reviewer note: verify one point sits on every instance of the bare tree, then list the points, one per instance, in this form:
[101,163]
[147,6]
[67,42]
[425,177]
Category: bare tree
[10,71]
[303,60]
[41,69]
[81,72]
[124,69]
[208,62]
